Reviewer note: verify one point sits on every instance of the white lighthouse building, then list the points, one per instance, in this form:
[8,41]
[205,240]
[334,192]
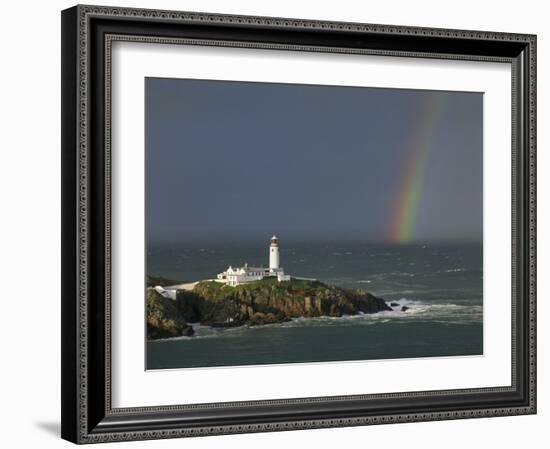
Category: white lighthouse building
[274,253]
[242,275]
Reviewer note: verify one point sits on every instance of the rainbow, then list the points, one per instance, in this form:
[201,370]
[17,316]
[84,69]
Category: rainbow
[407,199]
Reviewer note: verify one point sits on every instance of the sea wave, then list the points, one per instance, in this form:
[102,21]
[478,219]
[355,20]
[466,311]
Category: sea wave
[448,313]
[394,273]
[204,331]
[416,310]
[458,270]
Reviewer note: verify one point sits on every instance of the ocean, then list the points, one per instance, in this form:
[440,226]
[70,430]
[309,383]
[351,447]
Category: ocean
[442,284]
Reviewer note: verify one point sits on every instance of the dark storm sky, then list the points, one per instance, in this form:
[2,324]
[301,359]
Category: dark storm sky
[230,159]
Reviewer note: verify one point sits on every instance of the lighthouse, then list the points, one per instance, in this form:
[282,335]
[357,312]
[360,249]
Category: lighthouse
[243,275]
[274,253]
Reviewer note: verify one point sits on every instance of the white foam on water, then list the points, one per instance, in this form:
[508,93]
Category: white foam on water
[447,313]
[443,312]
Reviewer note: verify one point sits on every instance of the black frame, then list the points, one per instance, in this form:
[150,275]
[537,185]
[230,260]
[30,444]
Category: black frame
[87,34]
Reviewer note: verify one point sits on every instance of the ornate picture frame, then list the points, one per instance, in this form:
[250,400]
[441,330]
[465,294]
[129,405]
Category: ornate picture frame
[88,33]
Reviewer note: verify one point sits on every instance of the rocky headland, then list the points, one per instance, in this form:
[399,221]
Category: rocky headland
[257,303]
[164,320]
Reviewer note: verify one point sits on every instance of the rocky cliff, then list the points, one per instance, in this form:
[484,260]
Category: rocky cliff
[164,320]
[269,301]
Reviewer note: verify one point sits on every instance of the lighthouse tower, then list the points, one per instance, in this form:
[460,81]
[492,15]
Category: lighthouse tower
[274,253]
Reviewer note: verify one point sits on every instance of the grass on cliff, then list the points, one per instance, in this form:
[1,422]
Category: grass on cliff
[294,286]
[153,281]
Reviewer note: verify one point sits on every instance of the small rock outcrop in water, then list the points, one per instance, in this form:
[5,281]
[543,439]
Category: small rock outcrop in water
[404,308]
[394,304]
[163,318]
